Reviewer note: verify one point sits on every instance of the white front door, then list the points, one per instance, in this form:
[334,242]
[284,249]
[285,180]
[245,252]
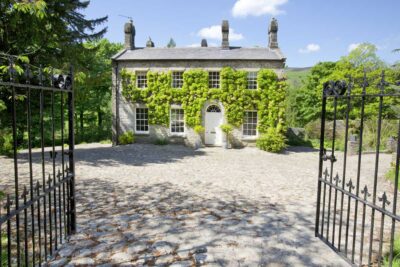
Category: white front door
[213,120]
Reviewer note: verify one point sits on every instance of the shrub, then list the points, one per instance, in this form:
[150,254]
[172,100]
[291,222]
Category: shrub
[271,141]
[126,138]
[199,129]
[161,142]
[6,144]
[226,128]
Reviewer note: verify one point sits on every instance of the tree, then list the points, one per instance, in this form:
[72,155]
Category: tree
[308,97]
[364,55]
[47,32]
[171,43]
[93,87]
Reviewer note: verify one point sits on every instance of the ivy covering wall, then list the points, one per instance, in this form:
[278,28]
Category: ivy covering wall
[159,95]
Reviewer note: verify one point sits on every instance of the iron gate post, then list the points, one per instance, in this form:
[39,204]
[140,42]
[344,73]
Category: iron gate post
[71,112]
[321,154]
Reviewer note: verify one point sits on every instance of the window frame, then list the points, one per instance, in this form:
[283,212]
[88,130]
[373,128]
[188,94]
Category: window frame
[141,73]
[183,120]
[136,119]
[252,81]
[245,136]
[211,79]
[179,81]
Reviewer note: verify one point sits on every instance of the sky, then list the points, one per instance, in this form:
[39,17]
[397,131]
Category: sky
[310,31]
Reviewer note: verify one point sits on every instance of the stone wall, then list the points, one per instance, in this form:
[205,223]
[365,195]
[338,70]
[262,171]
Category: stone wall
[123,110]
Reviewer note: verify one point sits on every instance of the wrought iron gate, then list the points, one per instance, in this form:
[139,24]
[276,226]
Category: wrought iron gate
[37,211]
[356,208]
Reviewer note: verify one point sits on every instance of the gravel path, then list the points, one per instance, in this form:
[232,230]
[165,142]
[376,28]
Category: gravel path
[146,204]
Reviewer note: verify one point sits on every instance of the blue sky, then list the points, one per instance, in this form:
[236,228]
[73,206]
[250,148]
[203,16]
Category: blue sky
[309,30]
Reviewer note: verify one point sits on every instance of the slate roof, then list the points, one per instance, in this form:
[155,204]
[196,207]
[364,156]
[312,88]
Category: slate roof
[199,53]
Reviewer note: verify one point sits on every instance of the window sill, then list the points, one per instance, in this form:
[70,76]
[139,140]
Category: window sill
[142,133]
[249,138]
[177,134]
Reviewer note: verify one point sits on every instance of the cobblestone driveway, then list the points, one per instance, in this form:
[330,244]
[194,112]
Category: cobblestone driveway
[161,205]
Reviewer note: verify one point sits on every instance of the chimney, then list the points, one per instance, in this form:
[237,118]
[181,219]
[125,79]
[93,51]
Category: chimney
[273,34]
[149,43]
[204,43]
[225,34]
[129,30]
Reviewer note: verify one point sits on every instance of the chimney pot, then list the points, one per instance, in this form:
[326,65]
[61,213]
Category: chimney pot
[204,43]
[273,34]
[225,34]
[129,30]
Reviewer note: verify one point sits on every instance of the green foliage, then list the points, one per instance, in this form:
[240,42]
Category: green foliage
[46,31]
[396,254]
[271,141]
[93,91]
[3,256]
[199,129]
[226,128]
[268,99]
[126,138]
[308,97]
[2,195]
[6,143]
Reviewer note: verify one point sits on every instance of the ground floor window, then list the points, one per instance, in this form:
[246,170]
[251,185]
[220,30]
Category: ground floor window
[250,123]
[142,120]
[177,120]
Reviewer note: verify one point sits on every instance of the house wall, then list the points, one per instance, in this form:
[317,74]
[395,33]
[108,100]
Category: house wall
[124,112]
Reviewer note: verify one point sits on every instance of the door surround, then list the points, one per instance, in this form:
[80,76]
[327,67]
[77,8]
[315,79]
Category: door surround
[213,118]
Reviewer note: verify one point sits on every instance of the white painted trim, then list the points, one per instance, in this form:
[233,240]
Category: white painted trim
[250,137]
[175,106]
[136,106]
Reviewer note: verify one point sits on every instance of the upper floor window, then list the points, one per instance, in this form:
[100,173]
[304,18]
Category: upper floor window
[250,123]
[213,79]
[177,79]
[141,79]
[252,80]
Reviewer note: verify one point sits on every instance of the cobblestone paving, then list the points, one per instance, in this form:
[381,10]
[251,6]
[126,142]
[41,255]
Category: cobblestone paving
[172,206]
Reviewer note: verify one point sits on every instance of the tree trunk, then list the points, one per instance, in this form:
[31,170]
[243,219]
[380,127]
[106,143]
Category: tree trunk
[81,122]
[100,118]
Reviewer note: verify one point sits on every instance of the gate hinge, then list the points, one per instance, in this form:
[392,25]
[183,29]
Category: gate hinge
[325,157]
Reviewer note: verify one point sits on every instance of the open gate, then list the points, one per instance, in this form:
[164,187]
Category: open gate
[357,211]
[37,211]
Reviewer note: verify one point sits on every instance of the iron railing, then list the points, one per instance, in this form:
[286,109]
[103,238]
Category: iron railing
[353,217]
[37,213]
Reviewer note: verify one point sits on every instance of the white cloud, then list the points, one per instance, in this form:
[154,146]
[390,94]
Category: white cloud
[353,46]
[310,48]
[244,8]
[214,32]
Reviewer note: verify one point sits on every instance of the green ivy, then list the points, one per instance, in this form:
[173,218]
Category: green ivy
[268,99]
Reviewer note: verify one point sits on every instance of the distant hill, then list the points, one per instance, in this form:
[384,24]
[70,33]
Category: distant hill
[295,76]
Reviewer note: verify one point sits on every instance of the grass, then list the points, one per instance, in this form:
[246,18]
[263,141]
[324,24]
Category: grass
[4,252]
[396,254]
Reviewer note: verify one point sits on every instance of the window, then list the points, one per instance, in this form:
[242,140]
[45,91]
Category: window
[142,120]
[250,123]
[213,79]
[141,79]
[177,79]
[252,80]
[177,120]
[213,108]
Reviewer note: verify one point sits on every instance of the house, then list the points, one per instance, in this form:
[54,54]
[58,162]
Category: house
[183,94]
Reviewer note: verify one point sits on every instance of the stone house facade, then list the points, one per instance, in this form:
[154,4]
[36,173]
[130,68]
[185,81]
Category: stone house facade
[133,116]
